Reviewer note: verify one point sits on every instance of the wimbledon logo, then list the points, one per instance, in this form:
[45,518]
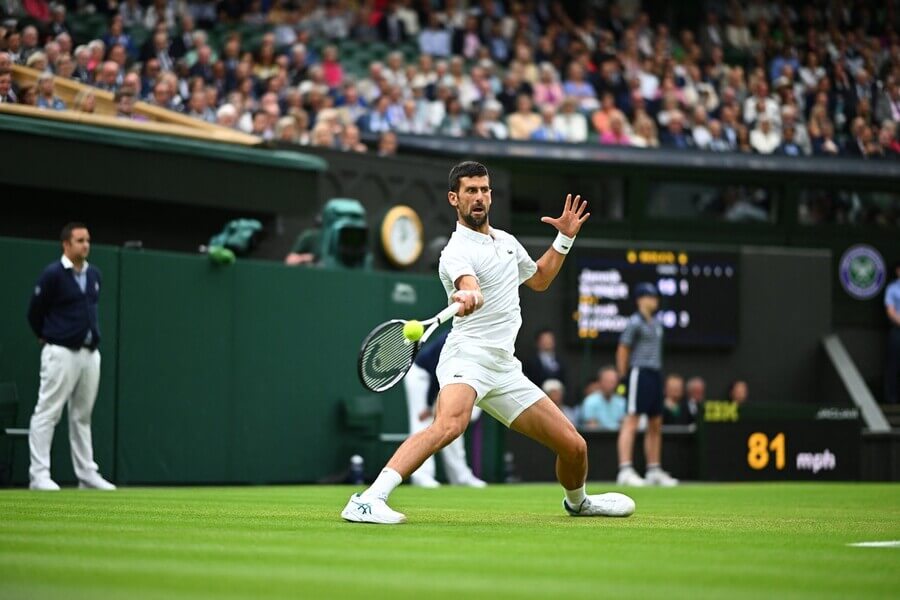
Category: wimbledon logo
[862,272]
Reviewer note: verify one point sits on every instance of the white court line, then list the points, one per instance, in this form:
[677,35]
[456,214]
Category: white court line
[890,544]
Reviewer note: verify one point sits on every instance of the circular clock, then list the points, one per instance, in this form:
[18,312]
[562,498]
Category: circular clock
[402,236]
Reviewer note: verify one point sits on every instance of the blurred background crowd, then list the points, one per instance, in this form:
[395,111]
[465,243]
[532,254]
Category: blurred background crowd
[812,77]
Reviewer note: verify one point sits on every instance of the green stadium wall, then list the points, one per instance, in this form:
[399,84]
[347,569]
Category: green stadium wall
[211,374]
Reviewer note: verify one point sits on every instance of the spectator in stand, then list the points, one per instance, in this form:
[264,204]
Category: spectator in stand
[435,39]
[717,140]
[524,121]
[545,364]
[700,130]
[556,391]
[46,98]
[131,12]
[603,409]
[7,96]
[350,140]
[548,91]
[387,144]
[577,87]
[29,44]
[569,122]
[823,142]
[616,135]
[227,116]
[675,411]
[738,391]
[696,396]
[547,131]
[788,146]
[331,67]
[198,108]
[645,135]
[84,102]
[125,99]
[28,95]
[457,122]
[37,61]
[764,138]
[674,136]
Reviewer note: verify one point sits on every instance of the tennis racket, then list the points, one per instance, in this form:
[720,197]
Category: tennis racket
[386,355]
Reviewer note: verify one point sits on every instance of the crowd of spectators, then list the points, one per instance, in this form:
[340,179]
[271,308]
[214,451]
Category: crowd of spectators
[812,77]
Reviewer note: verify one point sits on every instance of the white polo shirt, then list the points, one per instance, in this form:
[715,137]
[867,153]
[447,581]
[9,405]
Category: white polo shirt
[500,264]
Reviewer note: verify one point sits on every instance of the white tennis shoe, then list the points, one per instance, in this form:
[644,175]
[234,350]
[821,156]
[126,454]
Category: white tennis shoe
[44,485]
[473,482]
[96,482]
[611,504]
[660,478]
[371,509]
[630,478]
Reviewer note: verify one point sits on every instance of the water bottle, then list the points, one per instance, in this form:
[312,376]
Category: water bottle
[357,470]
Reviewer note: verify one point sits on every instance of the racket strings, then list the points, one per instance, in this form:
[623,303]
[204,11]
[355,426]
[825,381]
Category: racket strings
[386,357]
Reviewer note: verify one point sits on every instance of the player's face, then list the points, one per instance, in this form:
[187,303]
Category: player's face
[473,200]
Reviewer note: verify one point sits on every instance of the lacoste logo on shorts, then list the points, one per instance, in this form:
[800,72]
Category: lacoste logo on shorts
[457,375]
[509,251]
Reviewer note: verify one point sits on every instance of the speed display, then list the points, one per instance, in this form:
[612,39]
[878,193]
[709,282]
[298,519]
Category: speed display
[698,294]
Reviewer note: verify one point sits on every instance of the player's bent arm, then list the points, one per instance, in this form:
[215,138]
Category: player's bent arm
[468,293]
[623,353]
[548,267]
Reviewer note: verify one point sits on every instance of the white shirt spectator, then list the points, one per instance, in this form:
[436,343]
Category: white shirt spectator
[435,42]
[701,135]
[764,139]
[770,111]
[572,126]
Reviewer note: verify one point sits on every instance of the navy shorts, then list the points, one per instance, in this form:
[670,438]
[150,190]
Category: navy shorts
[645,392]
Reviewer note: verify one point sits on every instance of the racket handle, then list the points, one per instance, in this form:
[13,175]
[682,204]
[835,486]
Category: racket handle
[448,312]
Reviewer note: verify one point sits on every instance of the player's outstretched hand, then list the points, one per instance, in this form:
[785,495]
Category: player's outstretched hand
[573,216]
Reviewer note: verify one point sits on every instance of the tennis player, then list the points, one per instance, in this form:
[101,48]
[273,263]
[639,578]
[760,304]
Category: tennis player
[482,268]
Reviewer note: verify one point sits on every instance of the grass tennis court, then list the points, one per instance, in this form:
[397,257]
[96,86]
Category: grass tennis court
[697,541]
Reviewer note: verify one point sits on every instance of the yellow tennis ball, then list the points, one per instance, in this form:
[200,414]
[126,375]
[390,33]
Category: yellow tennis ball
[413,330]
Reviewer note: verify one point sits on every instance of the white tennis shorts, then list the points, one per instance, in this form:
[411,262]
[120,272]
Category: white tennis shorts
[501,389]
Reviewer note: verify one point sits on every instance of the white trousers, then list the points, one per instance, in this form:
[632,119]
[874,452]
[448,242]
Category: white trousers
[67,376]
[417,383]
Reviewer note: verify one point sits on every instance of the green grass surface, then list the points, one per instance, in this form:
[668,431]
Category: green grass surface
[696,541]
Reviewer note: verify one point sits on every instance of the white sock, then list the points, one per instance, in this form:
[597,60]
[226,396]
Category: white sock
[653,467]
[575,497]
[382,487]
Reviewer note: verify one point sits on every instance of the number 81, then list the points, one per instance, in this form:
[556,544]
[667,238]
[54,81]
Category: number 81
[758,446]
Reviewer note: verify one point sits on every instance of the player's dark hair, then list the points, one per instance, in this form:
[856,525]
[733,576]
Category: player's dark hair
[468,168]
[895,269]
[66,233]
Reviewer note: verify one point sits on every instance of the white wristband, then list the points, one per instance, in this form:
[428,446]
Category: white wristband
[563,243]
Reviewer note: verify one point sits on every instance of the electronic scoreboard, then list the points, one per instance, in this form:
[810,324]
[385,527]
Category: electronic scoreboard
[698,293]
